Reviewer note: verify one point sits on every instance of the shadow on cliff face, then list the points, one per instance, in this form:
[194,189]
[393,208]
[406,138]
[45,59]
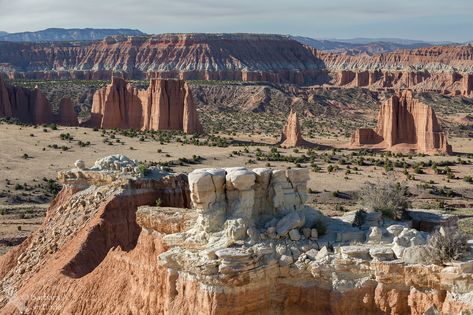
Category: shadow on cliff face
[115,226]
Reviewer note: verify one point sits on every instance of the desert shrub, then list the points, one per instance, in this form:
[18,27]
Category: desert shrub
[446,246]
[143,170]
[388,197]
[360,217]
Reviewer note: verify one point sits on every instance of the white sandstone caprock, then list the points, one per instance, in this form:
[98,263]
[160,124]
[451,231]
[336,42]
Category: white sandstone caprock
[240,193]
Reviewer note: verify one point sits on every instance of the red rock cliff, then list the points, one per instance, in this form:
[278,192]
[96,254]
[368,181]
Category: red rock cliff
[246,57]
[165,105]
[29,106]
[404,124]
[97,253]
[445,69]
[32,107]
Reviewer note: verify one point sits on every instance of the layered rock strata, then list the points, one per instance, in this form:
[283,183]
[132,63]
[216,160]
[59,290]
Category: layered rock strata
[32,107]
[404,124]
[445,69]
[165,105]
[241,57]
[248,245]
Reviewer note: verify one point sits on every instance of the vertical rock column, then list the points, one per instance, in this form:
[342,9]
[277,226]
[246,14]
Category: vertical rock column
[263,206]
[207,189]
[240,194]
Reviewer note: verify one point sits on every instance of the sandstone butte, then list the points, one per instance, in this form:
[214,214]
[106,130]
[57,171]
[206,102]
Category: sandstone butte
[32,107]
[223,241]
[292,135]
[165,105]
[404,125]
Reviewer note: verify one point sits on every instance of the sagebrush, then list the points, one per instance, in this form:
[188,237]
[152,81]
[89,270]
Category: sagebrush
[388,197]
[447,245]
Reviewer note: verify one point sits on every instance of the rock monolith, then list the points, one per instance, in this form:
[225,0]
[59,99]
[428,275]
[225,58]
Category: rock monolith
[405,125]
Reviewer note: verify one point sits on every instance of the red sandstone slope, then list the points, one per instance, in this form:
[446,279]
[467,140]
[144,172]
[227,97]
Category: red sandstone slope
[165,105]
[88,254]
[186,56]
[91,257]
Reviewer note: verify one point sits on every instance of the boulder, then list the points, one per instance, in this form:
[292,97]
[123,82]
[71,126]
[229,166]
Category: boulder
[360,252]
[429,221]
[395,229]
[294,235]
[381,253]
[80,164]
[235,229]
[291,221]
[415,255]
[285,260]
[375,235]
[314,234]
[398,250]
[311,254]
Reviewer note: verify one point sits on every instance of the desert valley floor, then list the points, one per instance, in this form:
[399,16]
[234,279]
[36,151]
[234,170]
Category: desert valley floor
[32,156]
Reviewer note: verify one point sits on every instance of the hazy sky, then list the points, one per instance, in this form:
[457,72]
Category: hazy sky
[415,19]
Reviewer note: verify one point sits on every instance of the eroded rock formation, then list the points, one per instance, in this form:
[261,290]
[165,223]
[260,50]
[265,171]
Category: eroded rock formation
[66,115]
[29,106]
[165,105]
[292,134]
[248,245]
[32,107]
[242,57]
[444,69]
[406,125]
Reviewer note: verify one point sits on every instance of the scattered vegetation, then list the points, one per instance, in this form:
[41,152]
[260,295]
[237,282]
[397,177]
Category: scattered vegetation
[388,197]
[446,246]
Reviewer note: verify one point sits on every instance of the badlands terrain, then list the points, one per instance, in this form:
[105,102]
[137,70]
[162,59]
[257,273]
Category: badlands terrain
[192,173]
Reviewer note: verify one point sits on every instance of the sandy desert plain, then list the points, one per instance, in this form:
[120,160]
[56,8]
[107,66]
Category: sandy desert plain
[32,155]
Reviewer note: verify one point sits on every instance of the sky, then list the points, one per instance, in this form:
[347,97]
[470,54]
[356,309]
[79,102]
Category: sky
[432,20]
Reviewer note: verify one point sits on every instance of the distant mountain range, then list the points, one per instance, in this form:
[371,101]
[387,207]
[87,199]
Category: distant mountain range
[365,45]
[398,41]
[354,46]
[61,34]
